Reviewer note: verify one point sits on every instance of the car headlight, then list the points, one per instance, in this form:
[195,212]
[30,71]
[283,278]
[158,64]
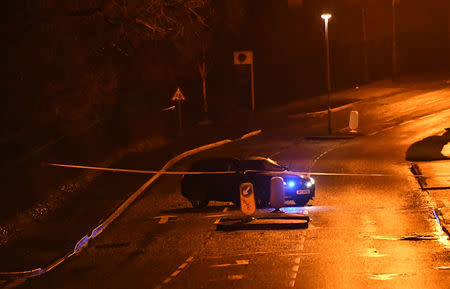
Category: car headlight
[309,184]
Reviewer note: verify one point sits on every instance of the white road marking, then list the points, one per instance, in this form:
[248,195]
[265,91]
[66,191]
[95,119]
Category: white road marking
[406,122]
[431,101]
[235,277]
[215,216]
[163,219]
[297,260]
[292,283]
[217,221]
[14,283]
[242,262]
[174,274]
[225,210]
[295,268]
[238,262]
[425,116]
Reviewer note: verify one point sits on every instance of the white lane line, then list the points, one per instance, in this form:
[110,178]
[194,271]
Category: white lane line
[406,122]
[174,274]
[295,268]
[297,260]
[373,133]
[425,116]
[215,216]
[225,210]
[14,283]
[292,283]
[163,219]
[238,262]
[242,262]
[431,101]
[217,221]
[293,275]
[235,277]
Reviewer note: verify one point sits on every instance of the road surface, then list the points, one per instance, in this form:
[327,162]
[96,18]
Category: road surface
[365,231]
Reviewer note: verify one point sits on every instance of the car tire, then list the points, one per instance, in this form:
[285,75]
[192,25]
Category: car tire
[199,204]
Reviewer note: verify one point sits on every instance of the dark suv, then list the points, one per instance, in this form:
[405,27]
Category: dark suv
[200,188]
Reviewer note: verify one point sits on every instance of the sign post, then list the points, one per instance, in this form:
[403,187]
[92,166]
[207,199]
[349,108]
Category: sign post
[246,57]
[178,97]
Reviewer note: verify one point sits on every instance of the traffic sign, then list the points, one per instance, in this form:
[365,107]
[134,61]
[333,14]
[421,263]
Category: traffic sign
[243,57]
[178,95]
[248,206]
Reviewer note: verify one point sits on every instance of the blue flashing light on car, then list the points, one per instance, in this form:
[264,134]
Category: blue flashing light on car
[291,184]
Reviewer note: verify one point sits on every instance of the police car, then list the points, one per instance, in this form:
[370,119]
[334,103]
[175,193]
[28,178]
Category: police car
[229,172]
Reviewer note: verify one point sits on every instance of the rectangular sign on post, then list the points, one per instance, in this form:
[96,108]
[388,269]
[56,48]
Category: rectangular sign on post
[246,57]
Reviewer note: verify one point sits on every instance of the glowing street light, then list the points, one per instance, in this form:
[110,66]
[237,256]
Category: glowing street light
[326,17]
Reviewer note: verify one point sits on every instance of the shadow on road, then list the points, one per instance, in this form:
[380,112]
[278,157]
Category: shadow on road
[429,149]
[209,209]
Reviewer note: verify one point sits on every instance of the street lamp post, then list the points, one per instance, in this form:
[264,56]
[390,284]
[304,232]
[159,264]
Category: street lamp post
[326,17]
[395,4]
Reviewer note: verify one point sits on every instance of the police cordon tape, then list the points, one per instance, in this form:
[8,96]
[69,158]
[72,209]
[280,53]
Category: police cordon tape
[83,242]
[163,172]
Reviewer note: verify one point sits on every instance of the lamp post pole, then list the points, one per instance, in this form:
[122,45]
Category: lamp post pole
[325,17]
[395,4]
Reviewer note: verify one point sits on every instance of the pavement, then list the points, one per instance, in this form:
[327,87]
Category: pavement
[437,187]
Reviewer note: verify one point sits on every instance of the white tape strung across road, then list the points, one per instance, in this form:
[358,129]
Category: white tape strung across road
[164,172]
[139,171]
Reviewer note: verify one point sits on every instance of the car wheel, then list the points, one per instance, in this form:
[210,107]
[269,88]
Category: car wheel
[199,204]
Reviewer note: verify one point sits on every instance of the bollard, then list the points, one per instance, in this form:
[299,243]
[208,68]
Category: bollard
[277,193]
[353,121]
[248,206]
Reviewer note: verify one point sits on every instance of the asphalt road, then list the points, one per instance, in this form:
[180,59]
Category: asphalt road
[365,231]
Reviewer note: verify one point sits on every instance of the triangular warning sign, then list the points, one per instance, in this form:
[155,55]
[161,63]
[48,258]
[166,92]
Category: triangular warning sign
[178,95]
